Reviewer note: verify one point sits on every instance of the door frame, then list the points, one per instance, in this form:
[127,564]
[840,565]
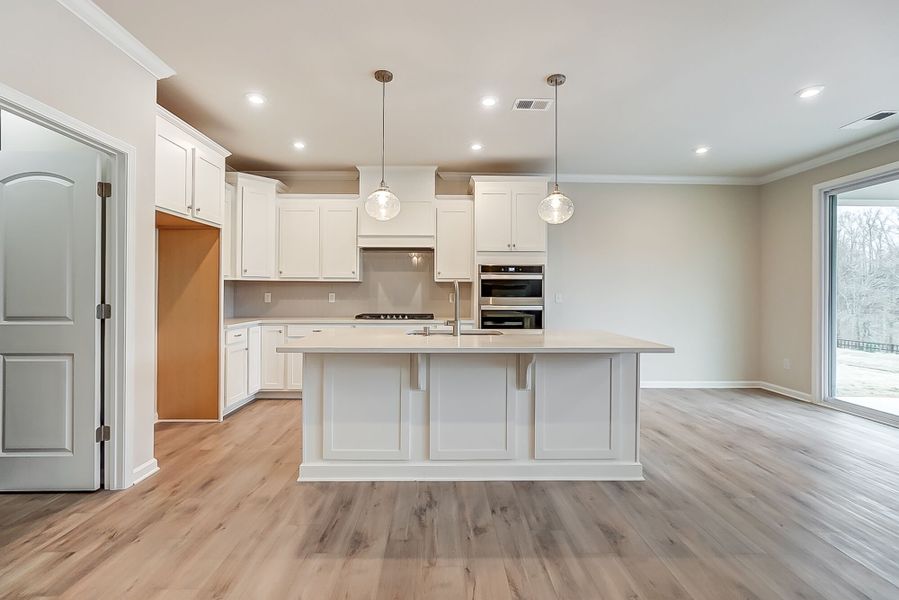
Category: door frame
[120,255]
[822,325]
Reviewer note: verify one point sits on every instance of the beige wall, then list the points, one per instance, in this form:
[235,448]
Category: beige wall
[673,263]
[786,267]
[49,54]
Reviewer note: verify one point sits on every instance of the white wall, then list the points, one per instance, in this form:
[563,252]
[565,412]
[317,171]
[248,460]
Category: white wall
[677,264]
[49,54]
[786,266]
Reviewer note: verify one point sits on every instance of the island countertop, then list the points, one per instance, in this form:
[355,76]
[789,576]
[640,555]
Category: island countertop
[397,341]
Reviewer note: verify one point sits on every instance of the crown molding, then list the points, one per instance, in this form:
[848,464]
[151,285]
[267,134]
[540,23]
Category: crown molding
[352,175]
[192,131]
[600,178]
[118,36]
[819,161]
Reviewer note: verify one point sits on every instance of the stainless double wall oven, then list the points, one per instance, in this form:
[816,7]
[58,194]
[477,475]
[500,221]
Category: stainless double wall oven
[511,296]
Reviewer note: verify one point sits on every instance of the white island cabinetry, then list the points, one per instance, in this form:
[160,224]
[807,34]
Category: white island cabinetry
[380,404]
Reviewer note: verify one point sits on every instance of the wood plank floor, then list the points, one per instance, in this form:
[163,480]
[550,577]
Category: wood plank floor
[747,496]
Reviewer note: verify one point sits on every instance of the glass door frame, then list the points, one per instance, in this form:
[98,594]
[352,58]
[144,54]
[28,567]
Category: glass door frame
[824,342]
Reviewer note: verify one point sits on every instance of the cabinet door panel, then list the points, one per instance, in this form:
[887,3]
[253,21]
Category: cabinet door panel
[173,170]
[530,229]
[298,242]
[295,371]
[209,186]
[452,257]
[235,374]
[340,253]
[273,369]
[493,220]
[254,359]
[256,233]
[228,232]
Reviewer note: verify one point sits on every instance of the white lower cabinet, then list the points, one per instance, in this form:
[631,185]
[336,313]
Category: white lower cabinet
[254,361]
[236,366]
[274,375]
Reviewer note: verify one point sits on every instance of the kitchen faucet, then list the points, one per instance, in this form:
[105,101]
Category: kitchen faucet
[456,322]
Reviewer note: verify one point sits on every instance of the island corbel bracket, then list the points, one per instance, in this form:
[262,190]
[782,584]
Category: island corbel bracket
[417,373]
[525,372]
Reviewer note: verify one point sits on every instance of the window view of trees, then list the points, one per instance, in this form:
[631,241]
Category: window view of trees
[867,301]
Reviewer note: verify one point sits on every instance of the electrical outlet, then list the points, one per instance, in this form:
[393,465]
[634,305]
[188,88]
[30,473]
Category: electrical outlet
[332,297]
[267,297]
[787,364]
[452,298]
[558,298]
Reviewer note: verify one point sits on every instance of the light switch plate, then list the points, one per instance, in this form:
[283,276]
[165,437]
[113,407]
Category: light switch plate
[452,298]
[558,298]
[332,297]
[267,297]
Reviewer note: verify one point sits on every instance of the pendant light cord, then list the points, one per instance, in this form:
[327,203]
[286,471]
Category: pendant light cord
[556,182]
[383,128]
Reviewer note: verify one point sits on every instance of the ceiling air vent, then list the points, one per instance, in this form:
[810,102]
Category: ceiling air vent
[870,120]
[541,104]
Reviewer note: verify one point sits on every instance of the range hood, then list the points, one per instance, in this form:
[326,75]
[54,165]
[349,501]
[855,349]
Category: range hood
[414,226]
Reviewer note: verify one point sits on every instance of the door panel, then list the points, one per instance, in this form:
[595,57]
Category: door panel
[257,230]
[340,253]
[37,281]
[37,400]
[209,186]
[273,369]
[530,229]
[493,221]
[49,333]
[173,169]
[452,258]
[298,252]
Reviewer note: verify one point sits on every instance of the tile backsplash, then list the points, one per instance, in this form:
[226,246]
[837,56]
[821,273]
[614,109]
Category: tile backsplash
[392,281]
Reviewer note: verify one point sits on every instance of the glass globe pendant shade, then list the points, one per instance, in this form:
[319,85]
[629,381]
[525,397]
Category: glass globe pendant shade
[555,208]
[382,204]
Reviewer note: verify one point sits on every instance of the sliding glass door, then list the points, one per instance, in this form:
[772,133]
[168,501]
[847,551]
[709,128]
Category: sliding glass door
[864,300]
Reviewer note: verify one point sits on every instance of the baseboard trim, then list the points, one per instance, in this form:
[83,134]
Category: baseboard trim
[740,384]
[471,471]
[700,384]
[149,468]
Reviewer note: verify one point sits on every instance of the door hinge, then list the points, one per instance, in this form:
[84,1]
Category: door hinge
[103,433]
[104,189]
[104,311]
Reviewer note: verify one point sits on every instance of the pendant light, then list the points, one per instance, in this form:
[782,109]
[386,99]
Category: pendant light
[557,207]
[383,204]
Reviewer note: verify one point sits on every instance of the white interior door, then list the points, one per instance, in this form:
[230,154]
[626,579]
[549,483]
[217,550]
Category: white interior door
[49,333]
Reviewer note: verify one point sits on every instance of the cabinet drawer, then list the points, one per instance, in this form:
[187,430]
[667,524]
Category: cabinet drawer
[236,336]
[300,331]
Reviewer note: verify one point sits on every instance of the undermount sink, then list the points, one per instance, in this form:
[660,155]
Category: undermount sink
[448,332]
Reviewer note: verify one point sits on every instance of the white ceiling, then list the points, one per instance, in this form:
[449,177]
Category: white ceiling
[648,80]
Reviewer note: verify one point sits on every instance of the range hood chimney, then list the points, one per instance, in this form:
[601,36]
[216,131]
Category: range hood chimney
[414,226]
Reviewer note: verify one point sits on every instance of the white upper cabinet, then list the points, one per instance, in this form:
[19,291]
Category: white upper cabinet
[190,170]
[453,252]
[340,253]
[209,186]
[506,217]
[173,168]
[317,239]
[298,241]
[255,235]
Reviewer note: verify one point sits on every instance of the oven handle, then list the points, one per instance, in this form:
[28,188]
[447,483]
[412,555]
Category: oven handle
[516,307]
[519,276]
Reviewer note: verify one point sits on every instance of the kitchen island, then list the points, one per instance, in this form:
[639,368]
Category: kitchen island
[386,405]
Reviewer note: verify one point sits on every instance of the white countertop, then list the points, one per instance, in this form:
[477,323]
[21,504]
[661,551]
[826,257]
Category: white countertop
[238,322]
[396,341]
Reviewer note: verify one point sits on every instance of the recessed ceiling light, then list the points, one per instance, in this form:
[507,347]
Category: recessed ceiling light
[702,150]
[488,101]
[255,98]
[810,92]
[299,145]
[477,147]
